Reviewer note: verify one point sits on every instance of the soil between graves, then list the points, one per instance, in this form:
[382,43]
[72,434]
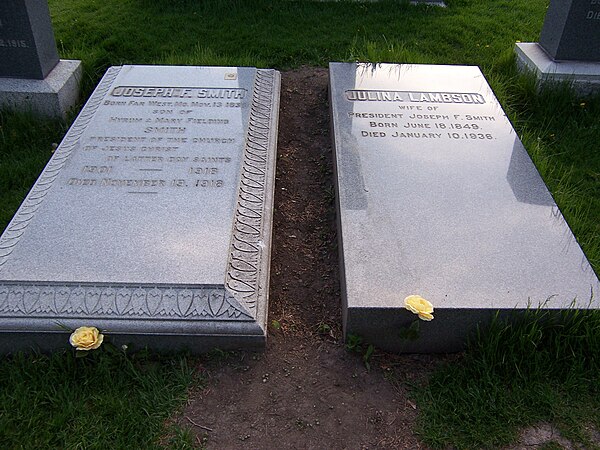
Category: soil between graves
[306,391]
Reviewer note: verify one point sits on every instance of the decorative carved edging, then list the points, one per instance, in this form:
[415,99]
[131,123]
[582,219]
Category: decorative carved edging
[246,247]
[27,211]
[119,302]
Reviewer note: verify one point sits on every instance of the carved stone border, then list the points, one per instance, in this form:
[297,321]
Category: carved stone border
[122,301]
[246,249]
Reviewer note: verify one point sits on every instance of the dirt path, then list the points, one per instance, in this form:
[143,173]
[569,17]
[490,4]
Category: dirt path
[306,391]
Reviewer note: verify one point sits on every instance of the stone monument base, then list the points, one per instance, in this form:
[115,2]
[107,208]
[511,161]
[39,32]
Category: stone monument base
[50,97]
[584,75]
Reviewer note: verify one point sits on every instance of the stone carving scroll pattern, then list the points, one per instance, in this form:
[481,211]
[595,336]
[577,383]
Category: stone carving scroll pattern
[246,243]
[27,211]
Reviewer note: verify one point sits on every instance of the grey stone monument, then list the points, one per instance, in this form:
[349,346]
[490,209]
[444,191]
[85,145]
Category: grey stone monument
[439,3]
[32,77]
[569,47]
[437,197]
[152,221]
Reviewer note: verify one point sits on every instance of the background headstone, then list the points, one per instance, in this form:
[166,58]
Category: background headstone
[571,30]
[152,220]
[27,46]
[32,78]
[438,197]
[569,47]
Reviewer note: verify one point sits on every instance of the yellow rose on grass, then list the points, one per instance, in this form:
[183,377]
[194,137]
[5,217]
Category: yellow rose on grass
[418,305]
[86,338]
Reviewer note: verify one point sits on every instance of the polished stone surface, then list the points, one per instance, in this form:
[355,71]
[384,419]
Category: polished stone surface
[571,30]
[438,197]
[154,215]
[27,46]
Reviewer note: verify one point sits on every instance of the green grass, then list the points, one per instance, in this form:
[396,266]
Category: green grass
[25,147]
[284,34]
[513,376]
[540,368]
[106,400]
[561,133]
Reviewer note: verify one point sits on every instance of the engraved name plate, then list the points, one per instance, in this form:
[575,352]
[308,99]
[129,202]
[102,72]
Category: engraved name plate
[153,218]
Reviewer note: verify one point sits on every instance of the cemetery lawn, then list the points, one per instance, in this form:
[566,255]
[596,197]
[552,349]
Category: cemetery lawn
[105,400]
[531,383]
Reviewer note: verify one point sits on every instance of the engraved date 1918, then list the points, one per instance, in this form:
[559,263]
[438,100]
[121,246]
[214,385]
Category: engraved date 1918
[198,183]
[209,183]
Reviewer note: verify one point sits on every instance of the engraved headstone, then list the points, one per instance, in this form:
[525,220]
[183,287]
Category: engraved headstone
[571,30]
[569,46]
[152,220]
[32,77]
[27,47]
[437,197]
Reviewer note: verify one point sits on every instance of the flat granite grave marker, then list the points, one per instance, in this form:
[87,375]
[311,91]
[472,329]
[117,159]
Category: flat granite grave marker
[32,77]
[152,220]
[437,197]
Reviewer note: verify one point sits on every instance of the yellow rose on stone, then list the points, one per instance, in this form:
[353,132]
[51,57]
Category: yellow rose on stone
[86,338]
[418,305]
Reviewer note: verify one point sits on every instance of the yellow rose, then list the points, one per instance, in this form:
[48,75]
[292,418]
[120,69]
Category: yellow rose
[419,306]
[86,338]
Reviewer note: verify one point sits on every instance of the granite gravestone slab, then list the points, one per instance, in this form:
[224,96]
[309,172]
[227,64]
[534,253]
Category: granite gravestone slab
[27,47]
[571,30]
[152,220]
[437,197]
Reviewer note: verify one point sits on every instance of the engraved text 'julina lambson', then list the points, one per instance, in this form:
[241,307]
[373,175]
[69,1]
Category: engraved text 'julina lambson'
[407,96]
